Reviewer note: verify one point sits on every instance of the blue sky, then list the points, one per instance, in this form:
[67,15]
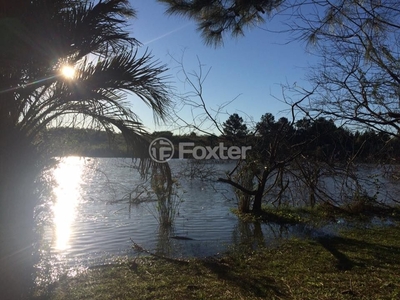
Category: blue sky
[250,69]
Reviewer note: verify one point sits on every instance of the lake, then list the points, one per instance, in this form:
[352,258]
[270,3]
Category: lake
[86,219]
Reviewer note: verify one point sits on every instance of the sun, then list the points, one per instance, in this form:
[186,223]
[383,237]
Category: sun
[68,72]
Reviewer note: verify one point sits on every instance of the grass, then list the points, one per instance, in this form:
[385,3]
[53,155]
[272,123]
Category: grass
[324,214]
[357,264]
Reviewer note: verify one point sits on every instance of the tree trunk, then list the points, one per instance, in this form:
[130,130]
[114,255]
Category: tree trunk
[18,170]
[260,192]
[257,202]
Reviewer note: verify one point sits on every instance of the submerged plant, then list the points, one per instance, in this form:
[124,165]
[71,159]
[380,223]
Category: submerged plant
[165,189]
[245,177]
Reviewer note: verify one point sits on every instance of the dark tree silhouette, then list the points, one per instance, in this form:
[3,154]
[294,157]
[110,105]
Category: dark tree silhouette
[214,17]
[266,124]
[37,39]
[234,126]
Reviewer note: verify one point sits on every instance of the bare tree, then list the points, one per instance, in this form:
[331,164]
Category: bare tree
[274,152]
[357,79]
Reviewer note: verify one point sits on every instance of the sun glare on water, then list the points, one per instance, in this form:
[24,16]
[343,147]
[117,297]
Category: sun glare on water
[67,192]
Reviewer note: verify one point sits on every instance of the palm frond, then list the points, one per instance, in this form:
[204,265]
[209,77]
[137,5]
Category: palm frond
[42,35]
[129,72]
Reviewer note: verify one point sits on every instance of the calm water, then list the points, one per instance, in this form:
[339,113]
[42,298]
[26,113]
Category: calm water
[87,220]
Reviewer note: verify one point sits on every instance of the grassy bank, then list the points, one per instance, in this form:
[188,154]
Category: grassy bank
[357,264]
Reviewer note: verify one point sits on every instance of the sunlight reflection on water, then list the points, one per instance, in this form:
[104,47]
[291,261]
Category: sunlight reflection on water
[88,220]
[67,197]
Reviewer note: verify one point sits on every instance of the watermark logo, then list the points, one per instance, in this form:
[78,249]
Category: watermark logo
[162,150]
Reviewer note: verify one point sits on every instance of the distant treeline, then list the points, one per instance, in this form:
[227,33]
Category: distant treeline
[83,142]
[320,139]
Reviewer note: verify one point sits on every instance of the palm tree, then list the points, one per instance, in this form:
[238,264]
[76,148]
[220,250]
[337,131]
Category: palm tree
[40,37]
[37,39]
